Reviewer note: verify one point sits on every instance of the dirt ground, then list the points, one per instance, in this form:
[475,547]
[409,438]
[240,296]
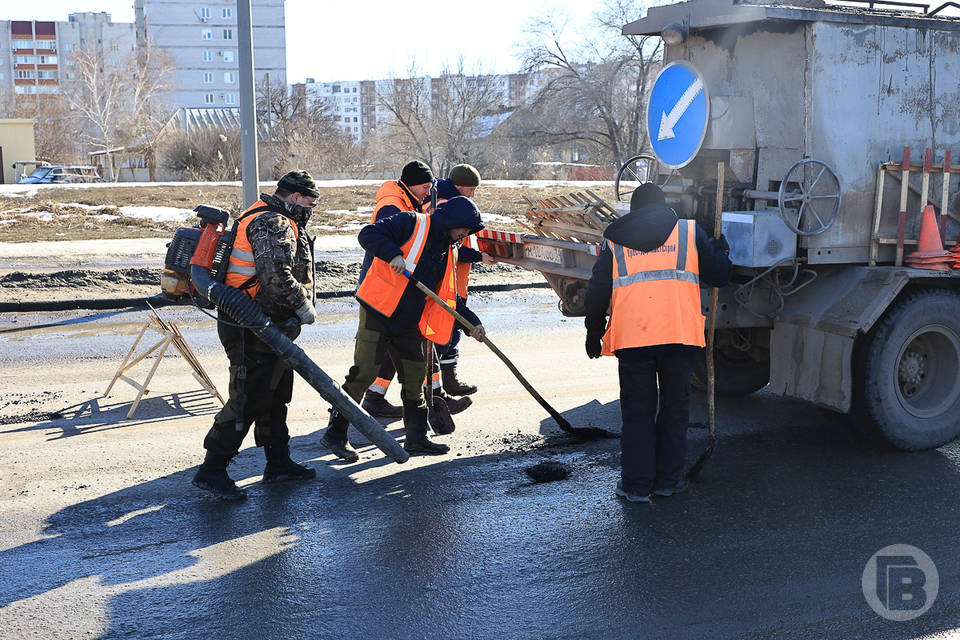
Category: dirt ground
[94,213]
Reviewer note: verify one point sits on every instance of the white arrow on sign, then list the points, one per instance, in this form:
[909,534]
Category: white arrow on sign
[669,120]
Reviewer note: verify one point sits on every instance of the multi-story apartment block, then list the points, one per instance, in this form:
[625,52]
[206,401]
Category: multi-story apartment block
[345,100]
[36,56]
[200,36]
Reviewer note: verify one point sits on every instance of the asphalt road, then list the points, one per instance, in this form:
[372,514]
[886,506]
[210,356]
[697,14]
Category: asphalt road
[102,535]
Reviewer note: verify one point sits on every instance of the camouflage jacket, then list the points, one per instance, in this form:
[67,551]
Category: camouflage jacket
[282,260]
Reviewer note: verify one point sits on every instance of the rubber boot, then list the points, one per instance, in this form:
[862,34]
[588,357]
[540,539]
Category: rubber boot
[335,438]
[212,476]
[376,405]
[452,385]
[280,468]
[415,430]
[455,405]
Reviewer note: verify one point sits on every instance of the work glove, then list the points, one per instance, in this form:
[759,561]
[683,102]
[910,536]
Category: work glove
[721,244]
[306,313]
[594,344]
[290,327]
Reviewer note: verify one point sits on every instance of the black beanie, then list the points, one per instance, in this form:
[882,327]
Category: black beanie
[646,194]
[415,173]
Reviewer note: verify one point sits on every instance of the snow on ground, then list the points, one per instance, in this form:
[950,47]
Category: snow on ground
[158,214]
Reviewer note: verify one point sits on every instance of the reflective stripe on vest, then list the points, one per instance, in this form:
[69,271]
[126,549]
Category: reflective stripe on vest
[242,266]
[656,294]
[436,323]
[381,288]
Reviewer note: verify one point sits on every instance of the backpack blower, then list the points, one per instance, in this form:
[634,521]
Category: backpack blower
[208,245]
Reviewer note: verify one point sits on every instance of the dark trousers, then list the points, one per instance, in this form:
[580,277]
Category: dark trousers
[261,398]
[374,348]
[447,354]
[653,445]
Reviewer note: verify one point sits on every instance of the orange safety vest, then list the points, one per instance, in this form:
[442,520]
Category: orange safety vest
[241,269]
[463,268]
[382,289]
[391,193]
[656,294]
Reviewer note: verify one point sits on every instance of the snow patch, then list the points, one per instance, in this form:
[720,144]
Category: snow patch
[46,216]
[157,214]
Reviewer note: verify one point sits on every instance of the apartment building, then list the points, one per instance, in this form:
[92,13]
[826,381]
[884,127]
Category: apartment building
[35,56]
[200,37]
[357,108]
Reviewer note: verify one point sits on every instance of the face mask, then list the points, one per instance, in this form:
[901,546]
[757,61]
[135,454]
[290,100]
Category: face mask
[298,212]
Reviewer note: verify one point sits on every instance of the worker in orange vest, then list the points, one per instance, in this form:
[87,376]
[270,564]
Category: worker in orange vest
[648,275]
[409,193]
[463,180]
[395,316]
[271,262]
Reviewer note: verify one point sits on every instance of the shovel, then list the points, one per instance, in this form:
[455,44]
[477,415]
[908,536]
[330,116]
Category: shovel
[584,433]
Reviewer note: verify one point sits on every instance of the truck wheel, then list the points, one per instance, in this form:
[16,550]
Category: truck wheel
[736,373]
[907,374]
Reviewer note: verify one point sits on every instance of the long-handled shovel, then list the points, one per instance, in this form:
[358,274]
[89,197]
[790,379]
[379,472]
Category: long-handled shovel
[585,433]
[694,472]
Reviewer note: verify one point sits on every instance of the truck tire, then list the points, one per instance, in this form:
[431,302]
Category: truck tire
[907,372]
[736,374]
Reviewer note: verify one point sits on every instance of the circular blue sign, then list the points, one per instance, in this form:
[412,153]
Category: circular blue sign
[677,114]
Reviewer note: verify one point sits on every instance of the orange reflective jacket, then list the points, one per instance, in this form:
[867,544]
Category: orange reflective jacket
[656,294]
[382,289]
[241,269]
[463,268]
[391,193]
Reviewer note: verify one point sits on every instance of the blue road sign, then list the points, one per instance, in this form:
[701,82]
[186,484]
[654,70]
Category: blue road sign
[677,114]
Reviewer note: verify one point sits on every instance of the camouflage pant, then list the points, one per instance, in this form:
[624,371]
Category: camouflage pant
[261,398]
[373,347]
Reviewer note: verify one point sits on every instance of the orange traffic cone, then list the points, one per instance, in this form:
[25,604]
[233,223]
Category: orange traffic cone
[930,254]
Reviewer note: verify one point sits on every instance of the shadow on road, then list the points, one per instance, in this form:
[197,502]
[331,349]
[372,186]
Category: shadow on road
[771,543]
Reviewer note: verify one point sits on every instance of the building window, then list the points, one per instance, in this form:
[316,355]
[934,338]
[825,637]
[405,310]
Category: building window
[228,34]
[26,88]
[68,47]
[208,98]
[228,77]
[46,44]
[226,12]
[48,59]
[47,74]
[207,55]
[204,13]
[207,77]
[23,44]
[25,59]
[25,74]
[206,34]
[228,55]
[231,98]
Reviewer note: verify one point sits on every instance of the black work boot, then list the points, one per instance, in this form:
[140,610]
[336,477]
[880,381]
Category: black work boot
[452,385]
[280,468]
[376,405]
[335,438]
[415,430]
[212,476]
[455,405]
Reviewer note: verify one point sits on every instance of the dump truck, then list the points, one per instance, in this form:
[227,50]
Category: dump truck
[835,125]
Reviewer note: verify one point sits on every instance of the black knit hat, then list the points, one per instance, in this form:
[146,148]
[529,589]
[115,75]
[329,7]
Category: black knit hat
[465,175]
[415,173]
[646,194]
[299,182]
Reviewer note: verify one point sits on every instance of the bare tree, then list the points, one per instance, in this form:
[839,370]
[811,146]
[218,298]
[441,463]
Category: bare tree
[116,101]
[596,83]
[442,120]
[302,132]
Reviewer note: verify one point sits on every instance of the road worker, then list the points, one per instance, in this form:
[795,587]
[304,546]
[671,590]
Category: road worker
[463,180]
[271,263]
[395,316]
[648,275]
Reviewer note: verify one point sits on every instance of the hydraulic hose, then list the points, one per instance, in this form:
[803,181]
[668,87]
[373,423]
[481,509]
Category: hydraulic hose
[243,310]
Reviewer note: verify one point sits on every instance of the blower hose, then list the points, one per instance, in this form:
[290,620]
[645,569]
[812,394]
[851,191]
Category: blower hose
[241,308]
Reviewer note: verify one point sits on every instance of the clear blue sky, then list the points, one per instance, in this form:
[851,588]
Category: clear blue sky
[337,40]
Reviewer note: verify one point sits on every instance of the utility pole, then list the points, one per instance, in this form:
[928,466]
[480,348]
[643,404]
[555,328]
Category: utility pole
[248,105]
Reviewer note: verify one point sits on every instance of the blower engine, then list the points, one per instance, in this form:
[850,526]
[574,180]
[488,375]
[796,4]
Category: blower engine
[206,244]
